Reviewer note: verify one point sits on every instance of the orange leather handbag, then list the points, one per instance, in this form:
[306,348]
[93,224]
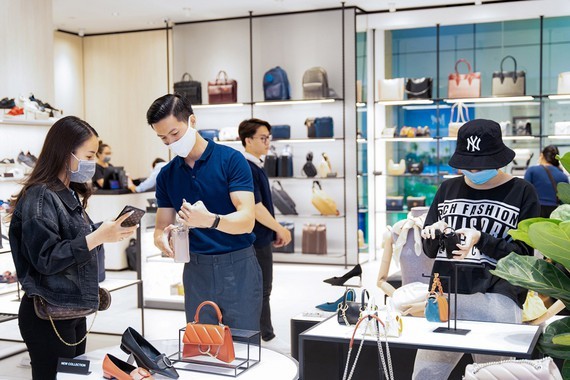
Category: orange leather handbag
[205,339]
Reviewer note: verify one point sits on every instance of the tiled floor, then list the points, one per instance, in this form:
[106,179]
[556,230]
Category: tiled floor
[296,289]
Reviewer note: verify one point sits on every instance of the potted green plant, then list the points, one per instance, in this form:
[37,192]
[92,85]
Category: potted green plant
[551,236]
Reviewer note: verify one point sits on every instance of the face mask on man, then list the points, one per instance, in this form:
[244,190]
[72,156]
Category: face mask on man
[85,170]
[184,145]
[482,176]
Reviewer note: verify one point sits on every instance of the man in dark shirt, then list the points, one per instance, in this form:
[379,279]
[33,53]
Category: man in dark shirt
[208,187]
[255,137]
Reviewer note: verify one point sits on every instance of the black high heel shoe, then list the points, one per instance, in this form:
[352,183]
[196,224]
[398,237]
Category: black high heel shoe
[146,355]
[339,281]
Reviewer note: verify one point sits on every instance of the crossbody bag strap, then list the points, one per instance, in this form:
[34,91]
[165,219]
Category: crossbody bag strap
[552,181]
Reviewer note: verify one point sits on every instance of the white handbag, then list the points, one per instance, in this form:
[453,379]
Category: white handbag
[392,319]
[408,294]
[539,369]
[391,89]
[229,134]
[562,128]
[564,83]
[396,169]
[389,132]
[459,120]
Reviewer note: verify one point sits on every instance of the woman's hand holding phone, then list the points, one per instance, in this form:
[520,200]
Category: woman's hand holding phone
[110,231]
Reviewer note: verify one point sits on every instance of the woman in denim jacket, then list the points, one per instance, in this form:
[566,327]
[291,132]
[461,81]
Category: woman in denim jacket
[54,244]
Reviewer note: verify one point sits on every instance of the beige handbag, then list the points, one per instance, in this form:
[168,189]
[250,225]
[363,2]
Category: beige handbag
[391,89]
[461,117]
[464,85]
[322,201]
[396,169]
[508,83]
[314,239]
[539,369]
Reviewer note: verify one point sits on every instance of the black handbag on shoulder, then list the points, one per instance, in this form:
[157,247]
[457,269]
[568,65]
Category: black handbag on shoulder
[189,88]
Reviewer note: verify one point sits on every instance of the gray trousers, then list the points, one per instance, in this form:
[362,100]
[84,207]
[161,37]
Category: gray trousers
[232,280]
[488,307]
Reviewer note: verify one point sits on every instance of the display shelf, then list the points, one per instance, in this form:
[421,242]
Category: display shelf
[293,102]
[16,121]
[491,99]
[410,102]
[223,105]
[407,139]
[559,97]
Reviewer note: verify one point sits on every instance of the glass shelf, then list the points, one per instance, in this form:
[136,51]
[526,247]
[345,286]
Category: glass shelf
[404,102]
[295,102]
[492,99]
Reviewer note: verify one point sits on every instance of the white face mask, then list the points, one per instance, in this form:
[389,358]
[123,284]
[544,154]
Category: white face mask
[85,170]
[184,145]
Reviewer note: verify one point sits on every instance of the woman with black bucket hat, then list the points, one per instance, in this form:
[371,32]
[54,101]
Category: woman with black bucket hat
[481,207]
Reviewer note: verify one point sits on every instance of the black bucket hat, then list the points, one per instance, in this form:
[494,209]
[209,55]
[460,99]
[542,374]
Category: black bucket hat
[480,146]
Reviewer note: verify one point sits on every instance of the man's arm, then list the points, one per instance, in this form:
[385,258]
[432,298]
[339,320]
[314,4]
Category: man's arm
[263,216]
[164,218]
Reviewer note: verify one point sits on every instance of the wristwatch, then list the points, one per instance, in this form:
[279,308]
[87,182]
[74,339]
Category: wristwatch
[216,222]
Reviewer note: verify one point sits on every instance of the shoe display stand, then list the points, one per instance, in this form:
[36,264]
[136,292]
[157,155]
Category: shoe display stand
[274,366]
[534,44]
[252,46]
[247,346]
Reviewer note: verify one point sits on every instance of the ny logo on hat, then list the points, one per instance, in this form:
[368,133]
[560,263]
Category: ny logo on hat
[473,143]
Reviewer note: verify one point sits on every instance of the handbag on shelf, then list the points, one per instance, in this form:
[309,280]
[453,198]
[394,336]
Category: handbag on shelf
[288,248]
[419,88]
[285,162]
[276,84]
[522,128]
[280,132]
[437,306]
[508,83]
[538,369]
[460,118]
[348,312]
[562,128]
[212,134]
[464,85]
[270,162]
[324,127]
[222,90]
[396,169]
[325,168]
[408,132]
[314,239]
[423,131]
[389,132]
[412,202]
[309,168]
[413,167]
[281,200]
[395,203]
[391,89]
[386,362]
[564,83]
[189,88]
[408,294]
[322,201]
[208,339]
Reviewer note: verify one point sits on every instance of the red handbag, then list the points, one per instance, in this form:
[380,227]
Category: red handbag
[464,85]
[205,339]
[222,90]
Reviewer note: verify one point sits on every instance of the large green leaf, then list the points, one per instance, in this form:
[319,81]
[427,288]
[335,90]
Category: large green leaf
[566,369]
[552,240]
[563,192]
[521,232]
[536,274]
[555,328]
[565,160]
[561,212]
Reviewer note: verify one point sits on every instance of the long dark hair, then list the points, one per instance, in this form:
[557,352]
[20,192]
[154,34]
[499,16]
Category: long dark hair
[63,138]
[549,153]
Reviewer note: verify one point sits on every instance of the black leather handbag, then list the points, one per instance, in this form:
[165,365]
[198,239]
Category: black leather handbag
[414,167]
[191,89]
[309,168]
[349,311]
[270,163]
[419,88]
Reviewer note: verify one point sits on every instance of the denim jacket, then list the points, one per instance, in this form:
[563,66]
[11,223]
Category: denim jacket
[47,238]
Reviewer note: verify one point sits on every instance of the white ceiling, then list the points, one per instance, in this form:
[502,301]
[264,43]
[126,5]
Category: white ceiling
[103,16]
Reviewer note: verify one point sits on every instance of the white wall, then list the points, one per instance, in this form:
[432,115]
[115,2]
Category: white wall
[68,74]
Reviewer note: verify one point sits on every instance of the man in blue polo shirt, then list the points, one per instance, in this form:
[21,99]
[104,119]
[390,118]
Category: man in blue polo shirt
[216,183]
[255,137]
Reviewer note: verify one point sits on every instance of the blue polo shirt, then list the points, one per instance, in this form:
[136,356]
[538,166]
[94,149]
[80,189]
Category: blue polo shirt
[218,172]
[262,193]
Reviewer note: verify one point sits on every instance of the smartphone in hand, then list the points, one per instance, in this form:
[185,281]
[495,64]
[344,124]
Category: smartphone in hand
[134,219]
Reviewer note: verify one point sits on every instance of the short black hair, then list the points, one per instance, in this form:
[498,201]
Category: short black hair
[249,127]
[170,104]
[156,161]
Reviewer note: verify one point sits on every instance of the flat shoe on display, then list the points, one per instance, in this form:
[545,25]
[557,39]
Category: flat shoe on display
[333,306]
[146,355]
[114,368]
[7,103]
[356,271]
[26,159]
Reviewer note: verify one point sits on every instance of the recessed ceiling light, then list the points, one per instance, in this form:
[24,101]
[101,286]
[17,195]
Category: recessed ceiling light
[115,14]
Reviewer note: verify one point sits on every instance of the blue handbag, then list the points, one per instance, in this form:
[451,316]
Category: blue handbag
[324,127]
[212,134]
[280,132]
[436,306]
[276,84]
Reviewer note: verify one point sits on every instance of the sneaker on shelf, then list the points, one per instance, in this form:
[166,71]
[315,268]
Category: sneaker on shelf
[277,345]
[7,161]
[15,111]
[24,159]
[32,157]
[7,103]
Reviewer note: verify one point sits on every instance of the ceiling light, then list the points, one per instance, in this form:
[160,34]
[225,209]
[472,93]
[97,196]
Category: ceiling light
[187,11]
[392,7]
[81,32]
[115,14]
[478,2]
